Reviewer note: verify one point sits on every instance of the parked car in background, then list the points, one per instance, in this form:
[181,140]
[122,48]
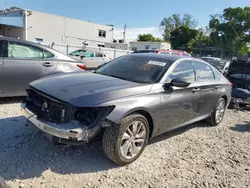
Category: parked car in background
[220,64]
[239,75]
[92,59]
[22,62]
[172,52]
[131,99]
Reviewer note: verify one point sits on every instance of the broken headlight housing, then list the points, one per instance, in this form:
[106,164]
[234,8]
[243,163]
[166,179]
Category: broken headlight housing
[91,116]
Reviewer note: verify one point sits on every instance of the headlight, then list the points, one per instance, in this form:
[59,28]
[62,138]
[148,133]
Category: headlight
[90,116]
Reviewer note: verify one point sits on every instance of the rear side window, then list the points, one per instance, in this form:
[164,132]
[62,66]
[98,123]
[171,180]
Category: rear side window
[203,72]
[183,70]
[47,54]
[217,75]
[18,50]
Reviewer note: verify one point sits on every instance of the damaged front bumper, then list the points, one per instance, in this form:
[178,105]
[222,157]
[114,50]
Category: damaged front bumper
[68,133]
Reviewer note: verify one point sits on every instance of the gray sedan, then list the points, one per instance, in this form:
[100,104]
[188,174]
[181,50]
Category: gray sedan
[131,99]
[22,62]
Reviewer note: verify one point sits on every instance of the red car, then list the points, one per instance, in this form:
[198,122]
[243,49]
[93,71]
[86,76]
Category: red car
[174,52]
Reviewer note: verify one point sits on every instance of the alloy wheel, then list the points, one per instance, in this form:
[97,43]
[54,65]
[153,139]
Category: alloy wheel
[133,139]
[220,110]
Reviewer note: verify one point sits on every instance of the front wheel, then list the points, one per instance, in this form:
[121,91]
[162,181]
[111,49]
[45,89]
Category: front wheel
[218,113]
[124,143]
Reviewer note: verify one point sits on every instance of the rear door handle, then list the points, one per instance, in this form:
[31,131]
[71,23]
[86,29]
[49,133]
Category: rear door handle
[195,89]
[47,64]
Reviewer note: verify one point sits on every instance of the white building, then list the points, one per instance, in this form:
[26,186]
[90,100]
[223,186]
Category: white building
[149,45]
[47,28]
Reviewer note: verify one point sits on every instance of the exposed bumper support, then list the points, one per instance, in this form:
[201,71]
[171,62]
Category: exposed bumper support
[71,131]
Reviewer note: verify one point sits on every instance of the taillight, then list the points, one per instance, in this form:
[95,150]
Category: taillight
[82,66]
[230,83]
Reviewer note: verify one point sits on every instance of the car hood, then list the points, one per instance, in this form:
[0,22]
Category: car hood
[88,89]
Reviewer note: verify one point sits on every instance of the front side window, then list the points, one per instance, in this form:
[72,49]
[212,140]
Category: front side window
[184,70]
[18,50]
[136,68]
[203,72]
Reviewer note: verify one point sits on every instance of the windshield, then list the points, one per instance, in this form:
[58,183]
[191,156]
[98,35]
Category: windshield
[136,68]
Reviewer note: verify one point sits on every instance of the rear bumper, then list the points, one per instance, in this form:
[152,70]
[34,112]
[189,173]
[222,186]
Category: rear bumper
[71,131]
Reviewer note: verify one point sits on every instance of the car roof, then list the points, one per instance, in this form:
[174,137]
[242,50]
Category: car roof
[168,57]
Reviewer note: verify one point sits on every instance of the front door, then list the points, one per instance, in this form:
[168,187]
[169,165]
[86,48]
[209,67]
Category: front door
[178,105]
[24,63]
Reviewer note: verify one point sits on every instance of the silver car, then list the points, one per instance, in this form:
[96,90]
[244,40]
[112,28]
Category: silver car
[22,62]
[91,59]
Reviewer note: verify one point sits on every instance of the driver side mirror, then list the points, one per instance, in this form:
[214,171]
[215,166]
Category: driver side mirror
[177,82]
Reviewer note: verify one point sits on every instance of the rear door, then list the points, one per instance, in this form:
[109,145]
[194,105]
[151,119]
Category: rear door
[24,63]
[208,89]
[1,64]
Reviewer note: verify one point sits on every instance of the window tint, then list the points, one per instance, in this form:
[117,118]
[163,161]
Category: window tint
[97,54]
[183,70]
[203,72]
[18,50]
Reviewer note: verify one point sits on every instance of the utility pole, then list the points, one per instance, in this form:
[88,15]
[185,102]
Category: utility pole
[124,33]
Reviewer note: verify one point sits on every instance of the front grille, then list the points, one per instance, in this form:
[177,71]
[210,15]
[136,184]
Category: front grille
[48,108]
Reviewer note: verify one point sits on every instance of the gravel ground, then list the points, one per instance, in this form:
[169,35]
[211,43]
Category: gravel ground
[195,156]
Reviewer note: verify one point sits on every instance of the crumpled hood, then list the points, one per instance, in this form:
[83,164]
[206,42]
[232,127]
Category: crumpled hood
[88,89]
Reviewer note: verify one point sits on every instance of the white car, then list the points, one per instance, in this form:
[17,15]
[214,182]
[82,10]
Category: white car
[91,59]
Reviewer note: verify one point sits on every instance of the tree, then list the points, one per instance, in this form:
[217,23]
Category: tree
[175,21]
[202,39]
[181,36]
[148,37]
[230,30]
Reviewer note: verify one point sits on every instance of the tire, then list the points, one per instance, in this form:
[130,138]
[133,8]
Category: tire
[114,139]
[212,120]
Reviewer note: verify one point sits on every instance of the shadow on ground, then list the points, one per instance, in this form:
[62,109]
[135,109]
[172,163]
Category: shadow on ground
[242,127]
[25,153]
[178,131]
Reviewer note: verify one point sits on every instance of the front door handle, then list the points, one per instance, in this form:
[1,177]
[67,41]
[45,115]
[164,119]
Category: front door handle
[195,90]
[47,64]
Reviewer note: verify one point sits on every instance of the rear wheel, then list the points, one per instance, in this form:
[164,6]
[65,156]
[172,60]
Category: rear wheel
[124,143]
[218,113]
